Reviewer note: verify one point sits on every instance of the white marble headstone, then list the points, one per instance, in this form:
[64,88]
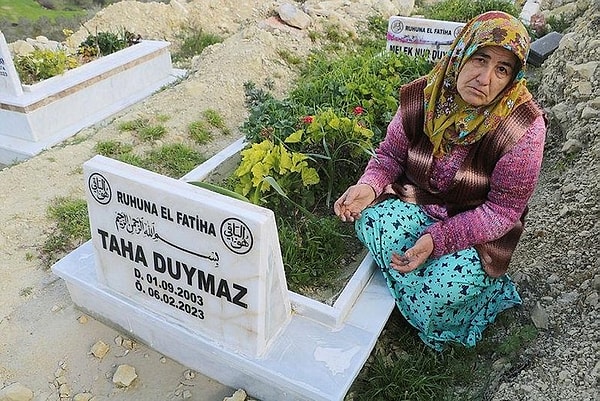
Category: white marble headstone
[10,84]
[207,261]
[421,37]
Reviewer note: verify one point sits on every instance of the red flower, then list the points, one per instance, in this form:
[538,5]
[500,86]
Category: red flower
[307,119]
[358,111]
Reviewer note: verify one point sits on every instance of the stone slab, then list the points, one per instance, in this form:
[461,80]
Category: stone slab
[209,261]
[543,47]
[9,79]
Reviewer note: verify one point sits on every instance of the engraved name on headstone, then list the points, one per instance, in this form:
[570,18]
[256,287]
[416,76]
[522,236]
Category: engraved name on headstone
[421,37]
[207,261]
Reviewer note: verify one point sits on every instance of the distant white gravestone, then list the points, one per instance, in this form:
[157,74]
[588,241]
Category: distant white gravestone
[207,261]
[421,37]
[10,84]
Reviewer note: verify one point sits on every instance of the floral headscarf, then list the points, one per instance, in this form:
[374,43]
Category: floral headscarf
[448,119]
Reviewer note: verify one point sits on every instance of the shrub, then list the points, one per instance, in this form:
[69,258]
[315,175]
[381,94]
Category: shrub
[269,117]
[338,147]
[194,41]
[370,79]
[105,43]
[42,64]
[289,169]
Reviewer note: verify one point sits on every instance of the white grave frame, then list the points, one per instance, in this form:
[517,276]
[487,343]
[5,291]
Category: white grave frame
[316,355]
[39,116]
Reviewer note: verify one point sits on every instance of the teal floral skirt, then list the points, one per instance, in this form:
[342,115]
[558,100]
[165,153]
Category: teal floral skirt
[447,299]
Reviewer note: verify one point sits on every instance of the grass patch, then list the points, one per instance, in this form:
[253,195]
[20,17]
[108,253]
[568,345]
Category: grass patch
[146,129]
[311,247]
[463,11]
[173,160]
[113,149]
[134,125]
[215,119]
[71,228]
[199,132]
[152,133]
[14,10]
[289,57]
[402,368]
[193,42]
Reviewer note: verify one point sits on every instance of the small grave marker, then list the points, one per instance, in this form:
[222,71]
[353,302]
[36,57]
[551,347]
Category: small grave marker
[208,261]
[421,37]
[543,47]
[10,84]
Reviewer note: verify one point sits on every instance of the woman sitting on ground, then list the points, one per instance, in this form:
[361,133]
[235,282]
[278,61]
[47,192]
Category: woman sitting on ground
[442,203]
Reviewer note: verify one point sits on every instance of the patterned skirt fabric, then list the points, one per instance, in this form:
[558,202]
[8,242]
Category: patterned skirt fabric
[450,298]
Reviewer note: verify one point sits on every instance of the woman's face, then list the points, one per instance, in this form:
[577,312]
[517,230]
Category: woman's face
[485,74]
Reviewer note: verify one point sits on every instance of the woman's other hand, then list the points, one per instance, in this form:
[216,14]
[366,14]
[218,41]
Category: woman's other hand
[414,256]
[352,202]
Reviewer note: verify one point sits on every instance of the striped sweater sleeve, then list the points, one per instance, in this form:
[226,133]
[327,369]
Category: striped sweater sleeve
[512,183]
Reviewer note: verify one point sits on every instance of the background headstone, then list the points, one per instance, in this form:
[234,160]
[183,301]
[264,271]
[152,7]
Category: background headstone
[421,37]
[9,79]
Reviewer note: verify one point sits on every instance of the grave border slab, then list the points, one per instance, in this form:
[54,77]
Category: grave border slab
[317,356]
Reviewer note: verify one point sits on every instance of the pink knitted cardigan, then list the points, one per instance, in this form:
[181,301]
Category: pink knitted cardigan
[512,183]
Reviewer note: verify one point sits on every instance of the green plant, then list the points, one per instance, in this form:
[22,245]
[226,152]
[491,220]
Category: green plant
[173,160]
[214,118]
[193,42]
[144,127]
[105,43]
[113,149]
[71,228]
[289,57]
[151,133]
[269,117]
[289,169]
[42,64]
[311,246]
[558,23]
[516,340]
[25,292]
[339,147]
[198,131]
[370,79]
[134,125]
[566,161]
[463,11]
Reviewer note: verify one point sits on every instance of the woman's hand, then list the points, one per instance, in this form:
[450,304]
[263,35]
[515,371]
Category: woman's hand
[352,202]
[414,256]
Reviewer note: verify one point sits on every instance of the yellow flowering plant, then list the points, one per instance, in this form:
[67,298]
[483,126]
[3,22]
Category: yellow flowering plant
[290,170]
